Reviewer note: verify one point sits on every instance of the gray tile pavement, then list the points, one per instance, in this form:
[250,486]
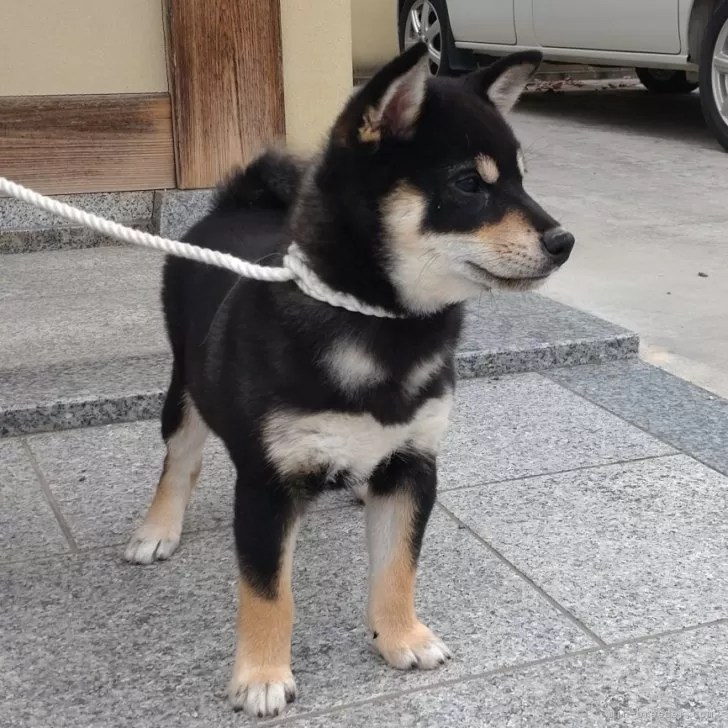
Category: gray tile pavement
[675,681]
[627,544]
[64,274]
[631,549]
[27,526]
[93,641]
[523,425]
[681,414]
[46,331]
[64,396]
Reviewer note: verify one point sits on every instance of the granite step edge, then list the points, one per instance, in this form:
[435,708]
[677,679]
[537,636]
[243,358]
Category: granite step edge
[133,401]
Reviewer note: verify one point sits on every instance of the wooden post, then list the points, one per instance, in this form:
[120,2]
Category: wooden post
[226,82]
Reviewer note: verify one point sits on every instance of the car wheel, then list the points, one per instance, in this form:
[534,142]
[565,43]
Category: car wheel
[663,81]
[426,20]
[714,74]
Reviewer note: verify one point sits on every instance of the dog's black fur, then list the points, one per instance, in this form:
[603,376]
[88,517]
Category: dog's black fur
[244,350]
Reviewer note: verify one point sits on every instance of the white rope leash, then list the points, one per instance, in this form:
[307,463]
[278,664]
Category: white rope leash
[295,267]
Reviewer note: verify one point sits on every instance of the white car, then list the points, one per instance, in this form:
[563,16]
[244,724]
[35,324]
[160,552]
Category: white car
[674,44]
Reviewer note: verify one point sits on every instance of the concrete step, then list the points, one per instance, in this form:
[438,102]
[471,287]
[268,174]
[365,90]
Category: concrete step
[82,340]
[25,229]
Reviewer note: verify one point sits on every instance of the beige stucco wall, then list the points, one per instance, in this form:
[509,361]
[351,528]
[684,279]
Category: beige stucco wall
[81,47]
[50,47]
[317,74]
[374,33]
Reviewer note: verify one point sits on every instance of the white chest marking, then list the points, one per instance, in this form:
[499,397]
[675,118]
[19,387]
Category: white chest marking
[357,443]
[422,373]
[352,367]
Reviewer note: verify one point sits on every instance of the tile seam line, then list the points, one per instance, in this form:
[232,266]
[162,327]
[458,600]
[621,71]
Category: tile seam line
[192,535]
[527,579]
[50,499]
[386,697]
[504,670]
[566,471]
[660,438]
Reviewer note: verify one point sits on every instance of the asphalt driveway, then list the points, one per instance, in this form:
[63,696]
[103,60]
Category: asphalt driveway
[644,187]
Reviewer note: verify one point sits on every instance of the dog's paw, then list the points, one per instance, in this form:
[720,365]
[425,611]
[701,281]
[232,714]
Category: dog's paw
[148,545]
[263,695]
[419,648]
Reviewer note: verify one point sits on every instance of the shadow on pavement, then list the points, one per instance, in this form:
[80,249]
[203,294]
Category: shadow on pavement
[676,117]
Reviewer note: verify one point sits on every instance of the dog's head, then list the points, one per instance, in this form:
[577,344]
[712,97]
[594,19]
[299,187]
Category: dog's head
[438,164]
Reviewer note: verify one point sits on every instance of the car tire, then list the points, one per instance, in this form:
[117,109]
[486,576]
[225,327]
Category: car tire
[438,43]
[665,82]
[714,74]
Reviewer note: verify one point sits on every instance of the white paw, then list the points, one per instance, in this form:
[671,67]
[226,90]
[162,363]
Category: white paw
[262,699]
[419,649]
[148,545]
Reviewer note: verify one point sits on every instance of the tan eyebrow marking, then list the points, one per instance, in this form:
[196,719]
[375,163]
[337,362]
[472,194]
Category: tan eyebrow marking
[521,162]
[487,169]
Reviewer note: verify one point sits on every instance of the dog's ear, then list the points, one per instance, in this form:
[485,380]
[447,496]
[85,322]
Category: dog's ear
[503,81]
[389,105]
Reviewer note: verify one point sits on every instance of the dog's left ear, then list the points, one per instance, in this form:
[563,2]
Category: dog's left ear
[389,105]
[503,81]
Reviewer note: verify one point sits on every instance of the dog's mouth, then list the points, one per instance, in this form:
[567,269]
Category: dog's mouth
[483,275]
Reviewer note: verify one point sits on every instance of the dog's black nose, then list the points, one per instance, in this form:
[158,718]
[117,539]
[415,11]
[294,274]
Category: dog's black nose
[558,243]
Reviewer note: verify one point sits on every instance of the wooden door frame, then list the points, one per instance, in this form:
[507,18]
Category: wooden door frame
[226,84]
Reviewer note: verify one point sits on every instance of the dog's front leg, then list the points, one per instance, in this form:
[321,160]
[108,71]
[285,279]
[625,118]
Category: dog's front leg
[401,496]
[266,525]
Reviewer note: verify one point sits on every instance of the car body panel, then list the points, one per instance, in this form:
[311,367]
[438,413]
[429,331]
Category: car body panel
[475,21]
[647,33]
[642,26]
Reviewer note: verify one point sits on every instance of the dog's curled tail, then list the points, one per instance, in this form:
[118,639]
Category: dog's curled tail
[272,180]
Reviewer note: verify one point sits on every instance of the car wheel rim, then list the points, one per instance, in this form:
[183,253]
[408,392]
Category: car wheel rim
[720,73]
[423,25]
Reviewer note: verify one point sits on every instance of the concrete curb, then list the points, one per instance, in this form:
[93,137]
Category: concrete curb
[126,391]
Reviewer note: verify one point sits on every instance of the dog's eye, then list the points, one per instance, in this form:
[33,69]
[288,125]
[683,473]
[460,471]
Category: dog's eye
[471,183]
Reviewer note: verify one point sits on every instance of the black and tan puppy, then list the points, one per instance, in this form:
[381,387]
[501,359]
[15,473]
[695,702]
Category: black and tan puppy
[415,204]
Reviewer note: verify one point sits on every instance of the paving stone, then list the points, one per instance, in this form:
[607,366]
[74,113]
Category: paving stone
[79,394]
[630,549]
[687,417]
[28,527]
[60,274]
[678,680]
[508,333]
[123,207]
[103,479]
[44,332]
[524,425]
[92,641]
[179,210]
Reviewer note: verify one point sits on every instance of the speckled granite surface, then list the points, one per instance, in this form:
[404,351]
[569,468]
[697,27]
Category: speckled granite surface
[83,394]
[178,210]
[68,395]
[83,339]
[582,591]
[25,229]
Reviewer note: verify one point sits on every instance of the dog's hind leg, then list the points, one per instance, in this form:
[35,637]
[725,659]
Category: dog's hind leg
[184,433]
[401,497]
[266,525]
